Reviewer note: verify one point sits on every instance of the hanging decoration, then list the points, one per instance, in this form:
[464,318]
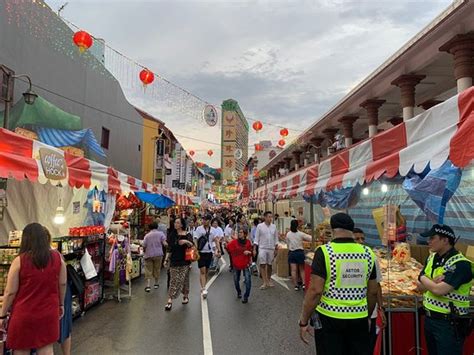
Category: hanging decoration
[191,153]
[257,126]
[210,115]
[238,154]
[210,152]
[284,132]
[258,147]
[146,77]
[281,143]
[82,40]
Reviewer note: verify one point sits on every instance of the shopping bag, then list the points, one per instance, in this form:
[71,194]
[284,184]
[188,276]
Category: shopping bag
[191,254]
[88,266]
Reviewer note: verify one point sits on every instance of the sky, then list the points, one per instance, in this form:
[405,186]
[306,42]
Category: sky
[285,62]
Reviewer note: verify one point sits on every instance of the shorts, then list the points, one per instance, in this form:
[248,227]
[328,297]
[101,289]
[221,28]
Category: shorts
[266,256]
[296,257]
[153,267]
[205,260]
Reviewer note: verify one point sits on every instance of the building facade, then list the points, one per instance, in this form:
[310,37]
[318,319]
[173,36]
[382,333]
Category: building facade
[235,141]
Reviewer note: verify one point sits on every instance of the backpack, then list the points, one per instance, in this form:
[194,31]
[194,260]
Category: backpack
[203,240]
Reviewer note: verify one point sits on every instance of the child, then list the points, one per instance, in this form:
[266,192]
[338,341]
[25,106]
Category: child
[240,250]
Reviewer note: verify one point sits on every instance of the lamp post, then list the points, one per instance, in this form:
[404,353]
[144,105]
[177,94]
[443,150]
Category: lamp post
[29,95]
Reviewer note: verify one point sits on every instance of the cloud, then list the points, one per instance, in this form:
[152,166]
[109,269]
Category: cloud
[286,62]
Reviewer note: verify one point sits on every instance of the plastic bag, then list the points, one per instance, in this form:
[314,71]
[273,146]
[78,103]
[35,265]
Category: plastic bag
[88,266]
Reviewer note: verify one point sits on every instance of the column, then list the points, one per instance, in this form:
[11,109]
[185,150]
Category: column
[462,48]
[307,155]
[395,121]
[426,105]
[372,107]
[317,141]
[329,133]
[287,163]
[407,84]
[297,157]
[348,128]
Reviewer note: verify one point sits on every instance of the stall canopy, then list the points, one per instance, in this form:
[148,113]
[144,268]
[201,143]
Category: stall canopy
[157,200]
[23,158]
[42,114]
[426,141]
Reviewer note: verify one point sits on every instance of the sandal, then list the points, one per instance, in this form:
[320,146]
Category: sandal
[168,306]
[185,300]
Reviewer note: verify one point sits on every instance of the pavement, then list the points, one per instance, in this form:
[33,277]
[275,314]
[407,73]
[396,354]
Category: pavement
[268,324]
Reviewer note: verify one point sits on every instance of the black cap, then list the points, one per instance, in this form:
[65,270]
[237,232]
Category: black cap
[440,229]
[342,221]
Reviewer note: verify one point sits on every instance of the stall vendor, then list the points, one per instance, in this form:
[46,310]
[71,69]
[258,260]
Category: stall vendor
[445,282]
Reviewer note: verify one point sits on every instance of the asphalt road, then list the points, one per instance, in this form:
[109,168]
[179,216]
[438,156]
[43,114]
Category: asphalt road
[266,325]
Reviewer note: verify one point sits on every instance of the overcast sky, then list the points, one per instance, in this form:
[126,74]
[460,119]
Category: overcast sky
[285,62]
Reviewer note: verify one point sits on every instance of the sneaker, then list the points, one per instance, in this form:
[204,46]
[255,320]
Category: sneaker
[239,296]
[147,289]
[204,293]
[297,288]
[244,301]
[156,286]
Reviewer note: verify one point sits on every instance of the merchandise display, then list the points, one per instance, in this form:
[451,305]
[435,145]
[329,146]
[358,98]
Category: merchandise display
[7,255]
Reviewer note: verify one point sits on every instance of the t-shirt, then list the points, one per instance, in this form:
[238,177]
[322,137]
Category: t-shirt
[236,250]
[266,237]
[319,262]
[153,243]
[178,252]
[201,232]
[458,275]
[229,232]
[295,240]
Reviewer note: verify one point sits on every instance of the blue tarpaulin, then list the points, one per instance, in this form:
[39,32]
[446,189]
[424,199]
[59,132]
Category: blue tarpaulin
[157,200]
[64,138]
[432,191]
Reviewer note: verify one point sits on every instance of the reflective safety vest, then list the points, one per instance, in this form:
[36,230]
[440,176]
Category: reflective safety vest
[348,268]
[459,297]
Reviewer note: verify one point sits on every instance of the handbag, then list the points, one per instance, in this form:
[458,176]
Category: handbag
[191,254]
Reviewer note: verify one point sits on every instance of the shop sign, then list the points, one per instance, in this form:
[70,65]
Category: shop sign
[210,115]
[160,147]
[53,163]
[168,171]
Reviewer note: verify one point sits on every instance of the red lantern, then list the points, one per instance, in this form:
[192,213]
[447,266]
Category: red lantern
[283,132]
[258,147]
[192,152]
[83,40]
[257,126]
[147,77]
[210,152]
[281,142]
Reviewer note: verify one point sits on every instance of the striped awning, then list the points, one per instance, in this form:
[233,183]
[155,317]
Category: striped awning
[429,139]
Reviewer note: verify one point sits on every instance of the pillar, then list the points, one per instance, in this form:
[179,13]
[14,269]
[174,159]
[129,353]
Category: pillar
[395,121]
[426,105]
[329,133]
[407,84]
[348,128]
[287,163]
[462,48]
[317,141]
[372,107]
[297,157]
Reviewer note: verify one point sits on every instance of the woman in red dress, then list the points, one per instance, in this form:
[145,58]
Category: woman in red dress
[35,292]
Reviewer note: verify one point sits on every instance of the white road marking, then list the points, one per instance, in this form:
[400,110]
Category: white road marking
[280,281]
[206,324]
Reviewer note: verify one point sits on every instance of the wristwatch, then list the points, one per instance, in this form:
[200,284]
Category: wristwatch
[302,324]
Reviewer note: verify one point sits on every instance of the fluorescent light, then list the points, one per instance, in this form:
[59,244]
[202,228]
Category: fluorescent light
[365,191]
[384,188]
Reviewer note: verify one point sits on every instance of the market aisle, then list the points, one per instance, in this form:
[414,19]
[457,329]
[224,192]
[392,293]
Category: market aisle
[267,324]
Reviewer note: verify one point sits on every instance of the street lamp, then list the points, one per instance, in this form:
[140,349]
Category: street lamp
[29,95]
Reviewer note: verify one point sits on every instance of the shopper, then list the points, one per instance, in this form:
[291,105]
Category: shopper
[153,246]
[205,239]
[241,251]
[296,257]
[178,241]
[359,237]
[446,282]
[228,237]
[35,292]
[343,291]
[266,239]
[161,226]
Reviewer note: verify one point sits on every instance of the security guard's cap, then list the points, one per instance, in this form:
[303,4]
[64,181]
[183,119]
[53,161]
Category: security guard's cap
[441,230]
[342,221]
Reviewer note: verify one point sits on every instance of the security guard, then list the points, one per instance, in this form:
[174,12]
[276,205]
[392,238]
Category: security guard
[446,282]
[343,291]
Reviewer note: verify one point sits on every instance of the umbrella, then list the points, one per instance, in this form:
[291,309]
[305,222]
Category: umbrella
[157,200]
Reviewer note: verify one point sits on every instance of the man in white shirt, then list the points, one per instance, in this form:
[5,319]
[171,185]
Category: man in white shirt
[205,239]
[266,238]
[228,236]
